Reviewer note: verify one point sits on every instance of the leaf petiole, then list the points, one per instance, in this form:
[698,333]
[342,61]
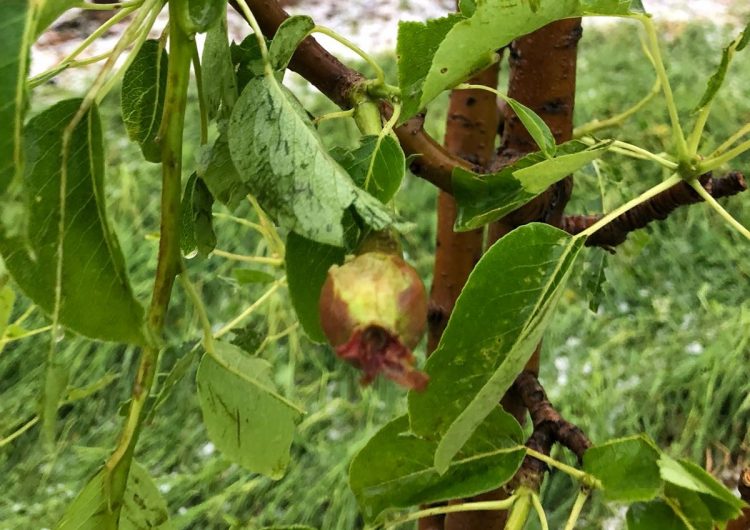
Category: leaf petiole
[454,508]
[734,223]
[575,512]
[379,73]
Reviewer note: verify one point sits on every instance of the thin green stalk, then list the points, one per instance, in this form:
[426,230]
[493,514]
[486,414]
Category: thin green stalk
[520,510]
[646,154]
[65,63]
[200,308]
[598,125]
[202,107]
[387,129]
[718,161]
[734,223]
[38,331]
[379,74]
[730,141]
[334,116]
[168,265]
[266,260]
[575,512]
[661,72]
[268,70]
[108,7]
[250,310]
[648,194]
[539,511]
[18,432]
[454,508]
[565,468]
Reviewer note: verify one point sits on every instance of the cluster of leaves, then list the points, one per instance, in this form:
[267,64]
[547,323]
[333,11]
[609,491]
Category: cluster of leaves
[57,243]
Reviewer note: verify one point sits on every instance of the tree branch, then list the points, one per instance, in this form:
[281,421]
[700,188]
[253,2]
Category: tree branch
[339,82]
[657,208]
[743,521]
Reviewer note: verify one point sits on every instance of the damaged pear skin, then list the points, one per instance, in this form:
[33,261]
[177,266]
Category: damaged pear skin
[373,311]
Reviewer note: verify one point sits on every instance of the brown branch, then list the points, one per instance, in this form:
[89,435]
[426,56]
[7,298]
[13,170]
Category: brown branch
[470,134]
[545,416]
[339,83]
[657,208]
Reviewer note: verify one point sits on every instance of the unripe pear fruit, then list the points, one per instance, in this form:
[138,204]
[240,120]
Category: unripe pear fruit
[373,311]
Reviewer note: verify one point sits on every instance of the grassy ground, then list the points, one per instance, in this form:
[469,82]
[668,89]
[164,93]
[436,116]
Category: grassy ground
[666,353]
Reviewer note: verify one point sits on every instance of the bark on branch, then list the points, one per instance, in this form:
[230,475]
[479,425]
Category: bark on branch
[658,208]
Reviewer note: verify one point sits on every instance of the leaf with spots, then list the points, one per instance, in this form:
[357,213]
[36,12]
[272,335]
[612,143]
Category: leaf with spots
[482,199]
[283,161]
[96,299]
[143,506]
[248,420]
[439,54]
[498,320]
[395,468]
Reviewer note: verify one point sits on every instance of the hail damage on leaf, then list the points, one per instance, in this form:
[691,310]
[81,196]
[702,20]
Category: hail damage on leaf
[373,310]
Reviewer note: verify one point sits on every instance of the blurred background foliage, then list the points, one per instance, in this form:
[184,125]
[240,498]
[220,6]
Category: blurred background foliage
[666,352]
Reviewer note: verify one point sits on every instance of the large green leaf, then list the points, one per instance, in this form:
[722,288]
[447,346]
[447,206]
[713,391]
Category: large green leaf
[495,326]
[16,19]
[307,264]
[95,296]
[395,468]
[380,176]
[440,54]
[290,34]
[654,515]
[247,419]
[482,199]
[143,506]
[218,78]
[627,469]
[142,97]
[284,163]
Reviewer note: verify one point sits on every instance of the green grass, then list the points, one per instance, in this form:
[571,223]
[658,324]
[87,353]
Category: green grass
[667,353]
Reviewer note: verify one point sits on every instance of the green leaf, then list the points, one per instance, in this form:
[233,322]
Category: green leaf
[467,7]
[197,231]
[495,326]
[594,279]
[683,473]
[536,127]
[247,419]
[16,23]
[246,276]
[483,199]
[176,374]
[247,60]
[284,163]
[652,516]
[290,34]
[218,172]
[440,54]
[197,16]
[96,298]
[50,11]
[7,300]
[690,506]
[627,468]
[143,506]
[717,79]
[142,97]
[380,177]
[395,468]
[307,264]
[219,80]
